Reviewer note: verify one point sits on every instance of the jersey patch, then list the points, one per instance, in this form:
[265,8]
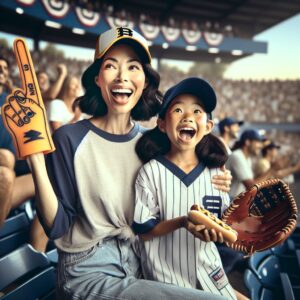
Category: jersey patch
[213,204]
[218,278]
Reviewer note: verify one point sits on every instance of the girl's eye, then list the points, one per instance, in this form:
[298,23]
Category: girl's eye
[197,111]
[178,110]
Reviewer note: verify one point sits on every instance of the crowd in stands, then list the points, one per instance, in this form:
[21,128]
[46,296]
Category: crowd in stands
[275,101]
[257,102]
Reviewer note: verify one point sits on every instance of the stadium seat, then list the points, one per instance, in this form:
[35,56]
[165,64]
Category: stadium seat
[52,256]
[269,271]
[253,284]
[13,241]
[257,290]
[28,274]
[288,247]
[14,224]
[255,260]
[287,287]
[40,286]
[14,233]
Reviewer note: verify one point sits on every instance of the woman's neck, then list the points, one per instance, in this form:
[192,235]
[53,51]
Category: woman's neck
[69,102]
[114,123]
[185,160]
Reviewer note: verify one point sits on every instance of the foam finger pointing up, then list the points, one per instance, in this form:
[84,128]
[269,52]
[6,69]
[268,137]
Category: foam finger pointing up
[27,73]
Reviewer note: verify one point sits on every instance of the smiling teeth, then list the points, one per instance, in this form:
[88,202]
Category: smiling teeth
[122,91]
[187,128]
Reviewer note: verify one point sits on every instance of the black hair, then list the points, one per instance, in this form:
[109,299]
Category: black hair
[222,129]
[6,60]
[93,103]
[210,150]
[265,150]
[238,144]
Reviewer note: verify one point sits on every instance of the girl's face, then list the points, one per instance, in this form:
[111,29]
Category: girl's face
[121,79]
[185,123]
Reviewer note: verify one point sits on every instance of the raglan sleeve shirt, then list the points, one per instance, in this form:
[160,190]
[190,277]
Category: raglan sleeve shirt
[60,170]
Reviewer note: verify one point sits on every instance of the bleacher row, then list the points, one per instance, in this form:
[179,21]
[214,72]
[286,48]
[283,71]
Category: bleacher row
[274,274]
[25,273]
[28,274]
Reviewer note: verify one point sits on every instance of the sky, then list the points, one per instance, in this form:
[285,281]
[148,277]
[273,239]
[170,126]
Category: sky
[281,62]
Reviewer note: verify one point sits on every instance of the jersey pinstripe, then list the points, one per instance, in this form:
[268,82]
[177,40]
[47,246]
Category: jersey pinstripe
[164,192]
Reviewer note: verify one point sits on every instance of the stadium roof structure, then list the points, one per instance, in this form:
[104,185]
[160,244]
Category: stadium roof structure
[198,30]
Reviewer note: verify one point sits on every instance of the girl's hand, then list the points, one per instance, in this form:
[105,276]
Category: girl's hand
[202,233]
[223,181]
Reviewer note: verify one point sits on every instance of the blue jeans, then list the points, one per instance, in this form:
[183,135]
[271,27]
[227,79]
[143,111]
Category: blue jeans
[110,270]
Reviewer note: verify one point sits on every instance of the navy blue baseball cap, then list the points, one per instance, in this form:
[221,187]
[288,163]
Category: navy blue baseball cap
[193,86]
[229,122]
[252,134]
[271,145]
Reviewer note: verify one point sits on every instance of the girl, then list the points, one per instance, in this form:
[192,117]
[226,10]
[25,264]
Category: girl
[89,207]
[182,155]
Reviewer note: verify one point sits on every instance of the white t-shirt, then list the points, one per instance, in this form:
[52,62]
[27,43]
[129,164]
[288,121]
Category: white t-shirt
[58,112]
[241,170]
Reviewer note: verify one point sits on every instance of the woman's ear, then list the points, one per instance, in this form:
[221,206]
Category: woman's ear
[161,124]
[146,83]
[96,81]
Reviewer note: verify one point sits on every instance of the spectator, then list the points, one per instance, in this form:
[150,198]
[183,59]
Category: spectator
[61,111]
[7,176]
[240,162]
[229,131]
[270,159]
[50,91]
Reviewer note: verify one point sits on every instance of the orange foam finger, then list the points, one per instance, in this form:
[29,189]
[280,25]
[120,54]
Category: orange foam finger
[24,114]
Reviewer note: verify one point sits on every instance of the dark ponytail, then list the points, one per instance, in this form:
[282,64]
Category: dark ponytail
[211,151]
[151,144]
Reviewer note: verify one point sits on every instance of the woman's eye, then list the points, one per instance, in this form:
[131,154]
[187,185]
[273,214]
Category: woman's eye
[134,67]
[197,111]
[178,110]
[109,66]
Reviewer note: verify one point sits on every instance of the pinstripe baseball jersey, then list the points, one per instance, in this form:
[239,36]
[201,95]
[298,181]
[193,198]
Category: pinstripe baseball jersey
[164,192]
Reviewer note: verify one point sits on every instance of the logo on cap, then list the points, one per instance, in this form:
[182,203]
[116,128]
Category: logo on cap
[124,31]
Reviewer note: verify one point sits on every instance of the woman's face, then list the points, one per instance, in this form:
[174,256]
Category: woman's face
[74,87]
[121,79]
[43,81]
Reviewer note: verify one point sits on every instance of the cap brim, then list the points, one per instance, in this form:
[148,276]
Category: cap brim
[141,50]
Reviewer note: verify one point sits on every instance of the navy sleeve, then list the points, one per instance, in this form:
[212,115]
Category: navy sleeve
[60,168]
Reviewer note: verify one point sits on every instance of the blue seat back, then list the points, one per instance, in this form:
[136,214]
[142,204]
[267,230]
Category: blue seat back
[13,224]
[35,287]
[13,241]
[20,262]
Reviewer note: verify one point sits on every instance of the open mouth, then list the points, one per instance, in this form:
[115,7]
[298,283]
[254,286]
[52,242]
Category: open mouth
[121,95]
[186,133]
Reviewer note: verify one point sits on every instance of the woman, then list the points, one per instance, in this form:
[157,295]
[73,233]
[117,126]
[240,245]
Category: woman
[89,210]
[61,111]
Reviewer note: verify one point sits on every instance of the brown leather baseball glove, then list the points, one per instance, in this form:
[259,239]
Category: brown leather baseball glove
[263,216]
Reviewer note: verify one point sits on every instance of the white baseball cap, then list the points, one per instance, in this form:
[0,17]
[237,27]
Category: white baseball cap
[107,39]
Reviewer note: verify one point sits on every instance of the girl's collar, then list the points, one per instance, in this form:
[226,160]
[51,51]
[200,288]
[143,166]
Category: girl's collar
[187,179]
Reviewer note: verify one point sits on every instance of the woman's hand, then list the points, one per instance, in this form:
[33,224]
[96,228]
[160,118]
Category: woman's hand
[223,181]
[202,233]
